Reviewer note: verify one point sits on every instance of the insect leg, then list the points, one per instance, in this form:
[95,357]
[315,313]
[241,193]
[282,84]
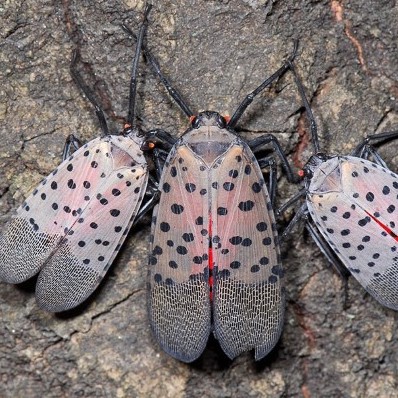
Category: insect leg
[154,65]
[370,151]
[153,192]
[160,136]
[301,213]
[149,205]
[71,141]
[310,115]
[265,139]
[159,158]
[326,250]
[131,120]
[366,147]
[77,77]
[269,161]
[250,97]
[292,200]
[153,186]
[331,257]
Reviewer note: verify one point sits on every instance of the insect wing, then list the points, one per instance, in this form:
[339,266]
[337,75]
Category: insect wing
[40,223]
[248,295]
[355,208]
[84,201]
[179,298]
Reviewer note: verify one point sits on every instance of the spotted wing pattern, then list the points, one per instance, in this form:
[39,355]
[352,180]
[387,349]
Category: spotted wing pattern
[248,294]
[74,222]
[358,216]
[179,297]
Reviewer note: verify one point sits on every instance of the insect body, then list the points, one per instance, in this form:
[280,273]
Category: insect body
[354,204]
[215,251]
[353,209]
[73,224]
[214,260]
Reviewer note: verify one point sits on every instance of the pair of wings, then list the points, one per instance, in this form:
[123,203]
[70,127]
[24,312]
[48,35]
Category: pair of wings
[359,220]
[72,225]
[214,261]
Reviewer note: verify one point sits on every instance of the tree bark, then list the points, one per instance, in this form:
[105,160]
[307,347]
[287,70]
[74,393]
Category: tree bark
[215,52]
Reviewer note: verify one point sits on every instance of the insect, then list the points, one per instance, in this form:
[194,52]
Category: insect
[214,262]
[73,224]
[351,205]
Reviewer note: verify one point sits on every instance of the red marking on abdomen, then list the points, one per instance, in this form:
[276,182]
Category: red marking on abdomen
[210,260]
[387,229]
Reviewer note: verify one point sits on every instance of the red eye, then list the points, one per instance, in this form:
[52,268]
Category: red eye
[221,121]
[195,122]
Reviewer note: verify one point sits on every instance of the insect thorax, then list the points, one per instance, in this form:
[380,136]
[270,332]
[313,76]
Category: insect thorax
[126,150]
[209,142]
[325,174]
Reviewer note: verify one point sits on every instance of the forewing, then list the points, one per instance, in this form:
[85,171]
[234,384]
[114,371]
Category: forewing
[361,224]
[178,302]
[248,294]
[84,256]
[49,212]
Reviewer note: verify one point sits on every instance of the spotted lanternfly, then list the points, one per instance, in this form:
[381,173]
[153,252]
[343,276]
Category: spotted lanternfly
[214,259]
[73,224]
[352,207]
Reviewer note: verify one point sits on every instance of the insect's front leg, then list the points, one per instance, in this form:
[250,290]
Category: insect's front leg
[269,162]
[70,142]
[268,139]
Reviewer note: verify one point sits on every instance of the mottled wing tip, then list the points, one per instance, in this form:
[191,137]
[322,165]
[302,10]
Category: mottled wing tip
[262,351]
[182,356]
[181,327]
[251,318]
[23,250]
[385,288]
[65,282]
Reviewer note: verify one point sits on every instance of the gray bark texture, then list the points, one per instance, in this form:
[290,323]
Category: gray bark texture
[215,52]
